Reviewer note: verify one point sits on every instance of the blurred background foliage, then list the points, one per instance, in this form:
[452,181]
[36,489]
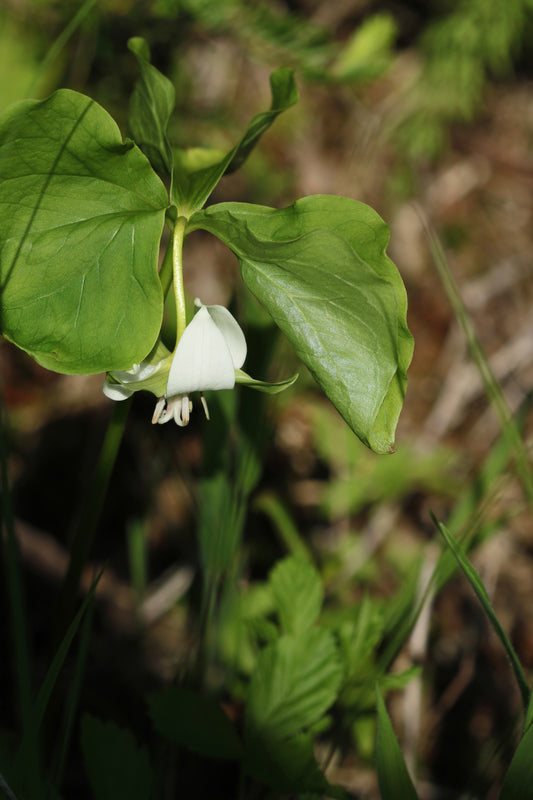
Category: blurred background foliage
[402,102]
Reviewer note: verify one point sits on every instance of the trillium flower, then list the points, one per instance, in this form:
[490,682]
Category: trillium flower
[208,356]
[211,348]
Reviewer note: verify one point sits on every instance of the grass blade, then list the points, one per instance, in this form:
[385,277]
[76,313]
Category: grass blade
[478,587]
[393,777]
[492,387]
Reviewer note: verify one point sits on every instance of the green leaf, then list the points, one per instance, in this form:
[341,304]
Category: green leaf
[358,639]
[296,680]
[81,215]
[118,769]
[478,587]
[289,766]
[519,777]
[192,186]
[198,723]
[393,777]
[298,592]
[151,105]
[319,267]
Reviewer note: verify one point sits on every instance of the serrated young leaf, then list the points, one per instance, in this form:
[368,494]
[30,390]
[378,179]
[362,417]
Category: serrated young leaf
[195,722]
[191,187]
[81,215]
[319,267]
[297,589]
[393,777]
[296,680]
[151,105]
[358,639]
[118,768]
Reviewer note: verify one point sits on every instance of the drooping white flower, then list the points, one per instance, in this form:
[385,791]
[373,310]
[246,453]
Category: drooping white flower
[208,356]
[211,348]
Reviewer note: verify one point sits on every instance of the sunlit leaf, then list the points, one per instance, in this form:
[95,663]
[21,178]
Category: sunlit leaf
[81,215]
[319,267]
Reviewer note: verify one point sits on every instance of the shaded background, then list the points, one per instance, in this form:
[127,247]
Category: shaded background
[412,107]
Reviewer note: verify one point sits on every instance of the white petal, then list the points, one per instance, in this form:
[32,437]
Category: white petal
[202,360]
[231,331]
[115,391]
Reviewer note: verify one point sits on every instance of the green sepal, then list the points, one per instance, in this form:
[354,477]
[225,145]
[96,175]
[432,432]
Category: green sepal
[157,381]
[263,386]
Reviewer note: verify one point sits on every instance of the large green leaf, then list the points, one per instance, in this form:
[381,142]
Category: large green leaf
[320,269]
[118,768]
[151,105]
[194,181]
[81,214]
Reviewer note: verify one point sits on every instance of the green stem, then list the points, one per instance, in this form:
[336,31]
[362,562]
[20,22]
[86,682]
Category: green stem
[177,263]
[91,509]
[165,273]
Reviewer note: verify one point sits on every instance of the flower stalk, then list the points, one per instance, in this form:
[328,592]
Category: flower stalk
[177,264]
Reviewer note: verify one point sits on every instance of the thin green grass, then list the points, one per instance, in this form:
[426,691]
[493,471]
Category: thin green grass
[493,389]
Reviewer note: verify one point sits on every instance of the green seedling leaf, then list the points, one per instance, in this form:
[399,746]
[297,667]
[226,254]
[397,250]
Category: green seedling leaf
[296,680]
[393,777]
[192,186]
[358,640]
[477,585]
[195,722]
[298,592]
[151,105]
[81,215]
[319,267]
[118,768]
